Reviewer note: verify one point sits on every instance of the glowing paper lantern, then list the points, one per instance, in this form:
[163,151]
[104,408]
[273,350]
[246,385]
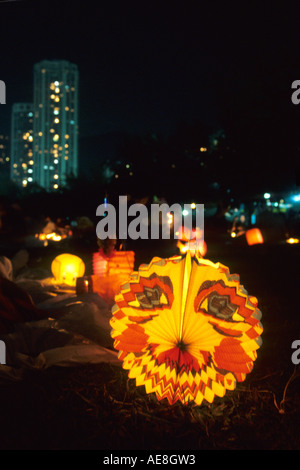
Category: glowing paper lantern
[66,268]
[119,262]
[191,240]
[254,236]
[110,272]
[186,329]
[292,241]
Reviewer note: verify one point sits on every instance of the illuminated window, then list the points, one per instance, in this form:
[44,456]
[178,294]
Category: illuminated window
[56,120]
[40,134]
[55,186]
[56,137]
[55,177]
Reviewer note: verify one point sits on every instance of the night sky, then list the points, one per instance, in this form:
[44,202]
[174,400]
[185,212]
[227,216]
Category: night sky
[147,66]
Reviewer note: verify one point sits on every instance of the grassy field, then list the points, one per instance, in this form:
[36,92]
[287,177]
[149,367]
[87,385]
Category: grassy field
[97,407]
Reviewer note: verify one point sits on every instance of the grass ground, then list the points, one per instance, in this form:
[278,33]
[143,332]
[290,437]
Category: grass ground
[97,407]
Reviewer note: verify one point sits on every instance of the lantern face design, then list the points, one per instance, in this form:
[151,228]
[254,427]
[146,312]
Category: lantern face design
[254,236]
[186,329]
[66,268]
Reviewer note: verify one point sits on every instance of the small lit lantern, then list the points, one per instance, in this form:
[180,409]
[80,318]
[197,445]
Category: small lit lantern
[292,241]
[191,240]
[119,262]
[254,236]
[111,271]
[66,268]
[84,285]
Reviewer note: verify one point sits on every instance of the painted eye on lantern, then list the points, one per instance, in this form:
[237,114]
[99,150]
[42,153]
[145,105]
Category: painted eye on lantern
[219,306]
[156,292]
[152,298]
[214,299]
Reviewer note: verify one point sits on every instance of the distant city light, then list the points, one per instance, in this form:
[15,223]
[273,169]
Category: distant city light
[170,218]
[193,205]
[185,212]
[296,198]
[267,195]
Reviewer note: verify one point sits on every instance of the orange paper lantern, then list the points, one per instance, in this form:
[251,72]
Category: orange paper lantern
[110,272]
[254,236]
[119,262]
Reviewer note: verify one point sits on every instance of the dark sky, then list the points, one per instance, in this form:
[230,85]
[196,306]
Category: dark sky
[146,66]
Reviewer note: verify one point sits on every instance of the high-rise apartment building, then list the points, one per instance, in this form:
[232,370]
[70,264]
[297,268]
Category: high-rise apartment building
[4,152]
[55,123]
[21,153]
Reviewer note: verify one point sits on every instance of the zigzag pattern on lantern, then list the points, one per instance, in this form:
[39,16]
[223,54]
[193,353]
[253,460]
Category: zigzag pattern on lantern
[186,329]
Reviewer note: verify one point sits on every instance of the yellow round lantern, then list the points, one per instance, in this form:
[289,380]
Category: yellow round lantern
[66,268]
